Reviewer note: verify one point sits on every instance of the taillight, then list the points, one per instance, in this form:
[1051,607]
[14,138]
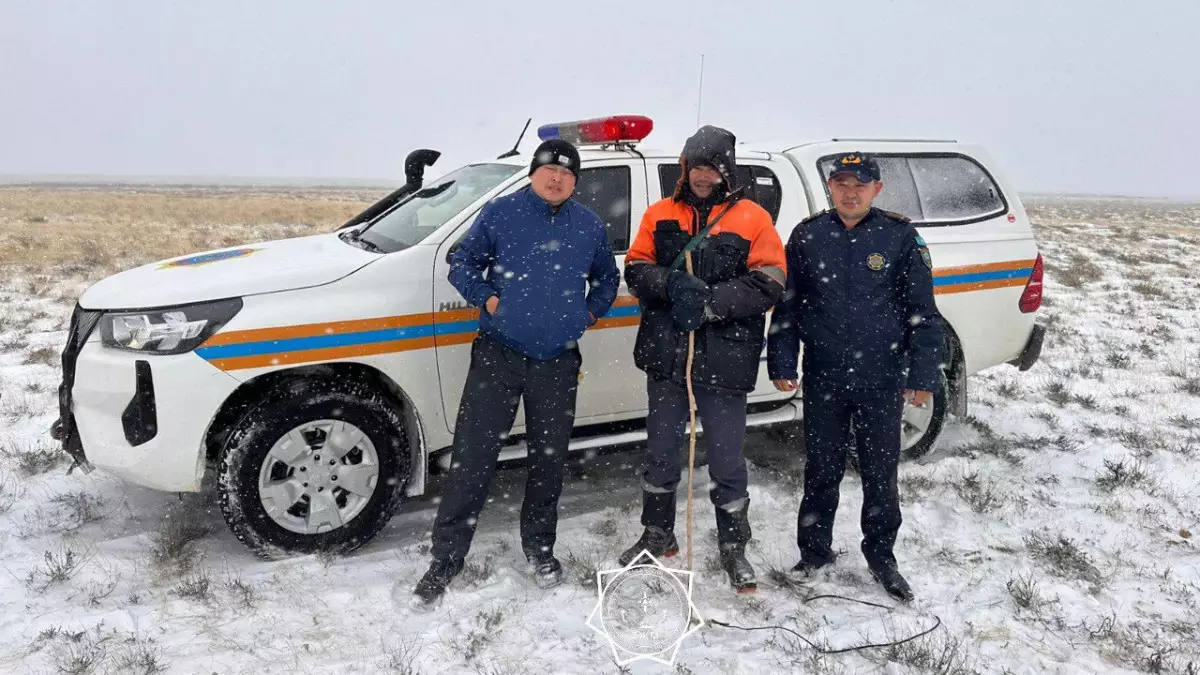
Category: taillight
[1031,299]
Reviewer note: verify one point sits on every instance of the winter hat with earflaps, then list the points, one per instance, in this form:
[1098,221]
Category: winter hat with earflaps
[713,147]
[556,151]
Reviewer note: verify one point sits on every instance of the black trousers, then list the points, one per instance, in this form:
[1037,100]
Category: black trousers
[830,413]
[724,418]
[498,379]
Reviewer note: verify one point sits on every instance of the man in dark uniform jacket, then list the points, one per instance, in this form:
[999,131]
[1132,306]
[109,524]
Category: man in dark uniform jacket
[860,297]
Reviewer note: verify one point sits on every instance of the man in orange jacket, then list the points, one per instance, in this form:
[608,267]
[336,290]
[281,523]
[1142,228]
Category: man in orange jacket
[738,274]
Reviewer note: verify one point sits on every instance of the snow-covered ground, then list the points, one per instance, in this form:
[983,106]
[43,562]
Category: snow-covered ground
[1052,531]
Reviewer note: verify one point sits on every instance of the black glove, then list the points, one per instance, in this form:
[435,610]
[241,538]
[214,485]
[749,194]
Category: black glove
[688,290]
[687,318]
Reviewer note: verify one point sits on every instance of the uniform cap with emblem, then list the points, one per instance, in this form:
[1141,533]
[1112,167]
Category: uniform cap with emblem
[861,166]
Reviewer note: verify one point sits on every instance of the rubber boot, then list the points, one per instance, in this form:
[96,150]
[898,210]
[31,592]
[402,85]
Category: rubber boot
[733,532]
[658,537]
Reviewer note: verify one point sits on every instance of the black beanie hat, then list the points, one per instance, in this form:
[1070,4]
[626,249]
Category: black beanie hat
[556,151]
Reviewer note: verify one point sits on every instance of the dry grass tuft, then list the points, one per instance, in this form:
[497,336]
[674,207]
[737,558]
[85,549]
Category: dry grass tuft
[47,356]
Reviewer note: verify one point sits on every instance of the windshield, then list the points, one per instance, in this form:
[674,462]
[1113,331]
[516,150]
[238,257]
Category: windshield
[439,201]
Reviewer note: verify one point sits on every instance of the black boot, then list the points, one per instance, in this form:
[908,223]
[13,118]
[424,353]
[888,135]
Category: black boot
[805,570]
[892,581]
[547,571]
[658,517]
[432,586]
[656,541]
[733,531]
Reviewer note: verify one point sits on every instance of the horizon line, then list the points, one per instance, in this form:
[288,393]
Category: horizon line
[233,181]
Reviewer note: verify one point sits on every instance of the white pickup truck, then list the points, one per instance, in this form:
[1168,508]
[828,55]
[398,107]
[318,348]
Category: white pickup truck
[320,375]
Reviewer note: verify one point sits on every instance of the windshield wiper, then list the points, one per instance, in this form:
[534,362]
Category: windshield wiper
[355,237]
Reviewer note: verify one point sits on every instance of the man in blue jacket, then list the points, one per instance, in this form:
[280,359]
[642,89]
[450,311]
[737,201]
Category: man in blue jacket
[860,296]
[541,268]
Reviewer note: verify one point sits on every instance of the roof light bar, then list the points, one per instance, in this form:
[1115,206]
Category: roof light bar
[614,129]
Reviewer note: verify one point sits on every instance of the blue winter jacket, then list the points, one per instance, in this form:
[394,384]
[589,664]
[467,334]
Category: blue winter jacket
[552,269]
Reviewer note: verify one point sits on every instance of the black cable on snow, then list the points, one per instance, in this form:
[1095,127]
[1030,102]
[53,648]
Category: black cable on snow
[823,650]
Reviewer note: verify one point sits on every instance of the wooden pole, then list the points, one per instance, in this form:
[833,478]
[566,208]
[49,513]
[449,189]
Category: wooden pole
[692,440]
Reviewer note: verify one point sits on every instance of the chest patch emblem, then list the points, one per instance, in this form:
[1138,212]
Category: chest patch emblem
[875,261]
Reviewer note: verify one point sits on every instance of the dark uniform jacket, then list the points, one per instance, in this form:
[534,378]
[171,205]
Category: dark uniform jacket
[861,301]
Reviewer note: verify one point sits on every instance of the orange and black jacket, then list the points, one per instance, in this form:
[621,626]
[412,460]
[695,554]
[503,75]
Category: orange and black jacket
[743,261]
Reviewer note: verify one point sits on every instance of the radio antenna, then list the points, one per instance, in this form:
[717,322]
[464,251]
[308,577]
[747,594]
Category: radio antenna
[513,152]
[700,93]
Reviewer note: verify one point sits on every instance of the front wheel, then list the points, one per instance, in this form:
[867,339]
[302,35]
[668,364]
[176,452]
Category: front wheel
[920,427]
[316,466]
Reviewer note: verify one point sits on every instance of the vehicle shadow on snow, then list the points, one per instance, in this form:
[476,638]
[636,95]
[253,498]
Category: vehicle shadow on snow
[594,481]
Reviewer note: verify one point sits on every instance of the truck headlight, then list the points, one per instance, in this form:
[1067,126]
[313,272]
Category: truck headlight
[174,330]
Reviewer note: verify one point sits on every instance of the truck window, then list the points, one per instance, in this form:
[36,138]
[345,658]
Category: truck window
[606,191]
[433,205]
[761,185]
[934,189]
[954,188]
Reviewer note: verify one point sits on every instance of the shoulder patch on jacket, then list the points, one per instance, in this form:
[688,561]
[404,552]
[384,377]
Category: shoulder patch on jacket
[897,216]
[814,217]
[923,248]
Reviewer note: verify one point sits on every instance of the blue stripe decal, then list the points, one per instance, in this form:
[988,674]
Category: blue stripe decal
[315,342]
[977,277]
[456,327]
[622,312]
[359,338]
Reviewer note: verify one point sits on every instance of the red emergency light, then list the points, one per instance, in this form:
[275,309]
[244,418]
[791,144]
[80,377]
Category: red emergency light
[614,129]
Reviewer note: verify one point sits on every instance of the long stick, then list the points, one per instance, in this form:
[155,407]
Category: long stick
[692,440]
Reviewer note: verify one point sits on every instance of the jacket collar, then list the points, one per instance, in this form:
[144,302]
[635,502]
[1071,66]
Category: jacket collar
[543,207]
[866,221]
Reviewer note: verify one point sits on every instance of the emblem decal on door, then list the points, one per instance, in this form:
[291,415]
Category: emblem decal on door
[206,258]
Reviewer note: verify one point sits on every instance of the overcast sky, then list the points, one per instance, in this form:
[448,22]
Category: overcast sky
[1098,97]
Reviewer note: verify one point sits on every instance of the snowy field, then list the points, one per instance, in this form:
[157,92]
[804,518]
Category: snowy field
[1054,530]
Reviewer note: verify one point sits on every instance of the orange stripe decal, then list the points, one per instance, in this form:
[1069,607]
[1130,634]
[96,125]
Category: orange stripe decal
[988,267]
[326,354]
[318,329]
[979,286]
